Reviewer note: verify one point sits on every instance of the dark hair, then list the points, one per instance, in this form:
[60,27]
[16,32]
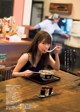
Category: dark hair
[39,37]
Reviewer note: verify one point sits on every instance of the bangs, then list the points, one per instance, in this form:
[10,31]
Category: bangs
[45,37]
[47,40]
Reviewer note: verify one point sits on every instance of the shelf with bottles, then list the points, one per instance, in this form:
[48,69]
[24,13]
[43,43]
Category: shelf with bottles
[8,26]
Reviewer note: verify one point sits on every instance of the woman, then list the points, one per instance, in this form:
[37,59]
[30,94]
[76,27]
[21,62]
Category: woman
[37,57]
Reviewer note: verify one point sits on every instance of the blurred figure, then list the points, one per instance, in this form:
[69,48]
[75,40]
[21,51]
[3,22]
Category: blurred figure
[49,25]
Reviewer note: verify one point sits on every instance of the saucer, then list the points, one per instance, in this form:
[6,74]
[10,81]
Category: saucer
[44,96]
[48,78]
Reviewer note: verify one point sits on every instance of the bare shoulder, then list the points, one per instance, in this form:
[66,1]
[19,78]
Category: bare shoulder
[24,57]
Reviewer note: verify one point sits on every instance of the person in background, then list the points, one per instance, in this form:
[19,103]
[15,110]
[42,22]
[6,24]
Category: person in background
[49,25]
[37,58]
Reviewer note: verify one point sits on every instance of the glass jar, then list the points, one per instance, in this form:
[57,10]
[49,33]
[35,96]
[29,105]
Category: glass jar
[2,59]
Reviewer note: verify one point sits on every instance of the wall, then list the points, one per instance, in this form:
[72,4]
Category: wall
[18,11]
[27,12]
[22,11]
[75,11]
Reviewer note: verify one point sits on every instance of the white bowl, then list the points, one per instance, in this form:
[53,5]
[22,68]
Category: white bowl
[46,74]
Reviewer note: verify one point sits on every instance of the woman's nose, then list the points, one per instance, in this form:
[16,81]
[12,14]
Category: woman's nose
[46,46]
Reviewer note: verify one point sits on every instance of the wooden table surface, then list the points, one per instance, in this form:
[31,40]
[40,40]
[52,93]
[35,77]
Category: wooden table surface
[21,95]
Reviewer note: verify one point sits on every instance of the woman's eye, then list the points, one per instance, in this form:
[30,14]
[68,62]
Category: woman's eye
[43,43]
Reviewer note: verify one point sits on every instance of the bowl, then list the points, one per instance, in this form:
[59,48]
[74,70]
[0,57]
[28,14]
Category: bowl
[46,74]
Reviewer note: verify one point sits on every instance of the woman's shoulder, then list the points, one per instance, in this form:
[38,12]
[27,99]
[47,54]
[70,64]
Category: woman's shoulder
[24,56]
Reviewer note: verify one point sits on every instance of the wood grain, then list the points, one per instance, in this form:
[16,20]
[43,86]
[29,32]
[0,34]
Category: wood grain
[66,96]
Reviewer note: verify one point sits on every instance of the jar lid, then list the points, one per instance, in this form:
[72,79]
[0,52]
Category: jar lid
[2,56]
[2,67]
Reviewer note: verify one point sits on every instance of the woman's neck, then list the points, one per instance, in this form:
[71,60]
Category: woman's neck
[39,54]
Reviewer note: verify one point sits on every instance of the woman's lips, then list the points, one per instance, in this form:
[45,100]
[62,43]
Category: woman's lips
[44,51]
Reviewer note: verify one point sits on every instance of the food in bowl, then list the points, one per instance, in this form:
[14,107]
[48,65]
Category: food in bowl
[46,74]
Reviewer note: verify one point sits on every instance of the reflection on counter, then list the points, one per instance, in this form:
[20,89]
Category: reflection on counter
[13,50]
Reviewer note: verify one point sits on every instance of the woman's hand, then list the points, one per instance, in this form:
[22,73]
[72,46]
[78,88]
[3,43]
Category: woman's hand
[28,73]
[58,49]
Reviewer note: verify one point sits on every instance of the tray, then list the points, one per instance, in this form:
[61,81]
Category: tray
[36,78]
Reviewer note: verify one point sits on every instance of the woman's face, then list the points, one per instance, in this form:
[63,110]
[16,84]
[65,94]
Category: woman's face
[43,47]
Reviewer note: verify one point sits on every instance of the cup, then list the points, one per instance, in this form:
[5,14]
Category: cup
[46,91]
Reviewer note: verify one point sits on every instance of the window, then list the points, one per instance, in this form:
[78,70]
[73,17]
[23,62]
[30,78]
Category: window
[6,8]
[37,12]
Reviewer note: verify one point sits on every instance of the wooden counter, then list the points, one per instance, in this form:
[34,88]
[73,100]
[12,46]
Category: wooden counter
[13,50]
[66,96]
[2,41]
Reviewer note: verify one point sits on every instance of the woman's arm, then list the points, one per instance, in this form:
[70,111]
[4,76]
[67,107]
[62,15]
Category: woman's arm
[31,27]
[55,63]
[67,36]
[21,62]
[59,30]
[40,25]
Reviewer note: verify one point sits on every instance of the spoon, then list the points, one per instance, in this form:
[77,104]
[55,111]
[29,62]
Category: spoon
[36,72]
[51,49]
[42,71]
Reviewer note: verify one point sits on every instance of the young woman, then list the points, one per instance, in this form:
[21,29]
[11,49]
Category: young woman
[37,58]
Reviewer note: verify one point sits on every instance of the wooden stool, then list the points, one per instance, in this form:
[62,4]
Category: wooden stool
[6,72]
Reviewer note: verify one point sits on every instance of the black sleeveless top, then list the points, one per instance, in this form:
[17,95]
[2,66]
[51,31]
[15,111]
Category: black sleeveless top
[28,66]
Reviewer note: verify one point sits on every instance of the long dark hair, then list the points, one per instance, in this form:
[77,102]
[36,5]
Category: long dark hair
[33,48]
